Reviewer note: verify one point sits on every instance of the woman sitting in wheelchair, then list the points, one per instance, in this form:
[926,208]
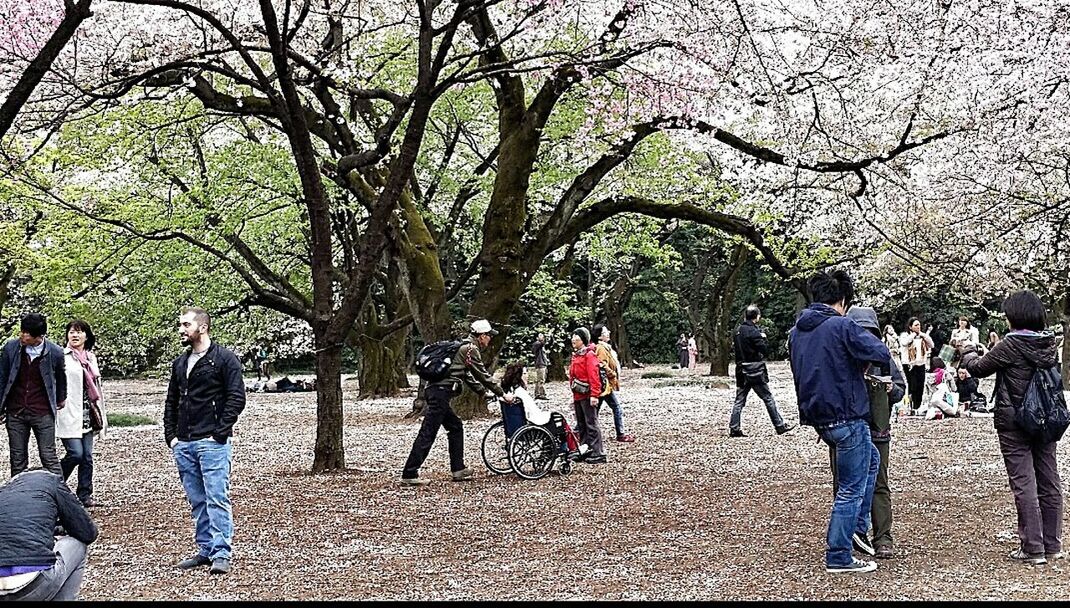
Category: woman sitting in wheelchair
[515,415]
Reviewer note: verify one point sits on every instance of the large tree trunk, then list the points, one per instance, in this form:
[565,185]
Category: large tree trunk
[616,302]
[719,312]
[330,452]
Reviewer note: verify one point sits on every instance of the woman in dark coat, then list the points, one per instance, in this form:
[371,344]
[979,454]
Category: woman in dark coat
[682,351]
[1031,466]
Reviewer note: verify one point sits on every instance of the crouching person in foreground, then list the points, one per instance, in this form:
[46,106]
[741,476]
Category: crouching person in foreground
[34,564]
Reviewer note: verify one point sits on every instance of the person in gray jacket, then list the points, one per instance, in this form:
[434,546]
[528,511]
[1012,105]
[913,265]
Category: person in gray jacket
[33,387]
[34,564]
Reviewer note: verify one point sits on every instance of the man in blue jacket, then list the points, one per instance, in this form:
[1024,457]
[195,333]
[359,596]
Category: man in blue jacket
[829,353]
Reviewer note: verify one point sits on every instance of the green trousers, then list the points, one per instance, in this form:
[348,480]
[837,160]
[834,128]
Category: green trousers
[881,513]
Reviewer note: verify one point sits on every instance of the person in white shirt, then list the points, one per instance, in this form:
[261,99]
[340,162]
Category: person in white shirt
[914,348]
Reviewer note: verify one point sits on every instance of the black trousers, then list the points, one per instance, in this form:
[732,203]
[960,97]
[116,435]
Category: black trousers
[19,427]
[438,413]
[915,384]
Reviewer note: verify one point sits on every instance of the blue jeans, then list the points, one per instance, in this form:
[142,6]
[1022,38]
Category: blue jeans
[204,467]
[857,464]
[79,454]
[618,414]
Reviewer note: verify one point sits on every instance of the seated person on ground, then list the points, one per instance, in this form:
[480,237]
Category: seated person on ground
[971,399]
[943,398]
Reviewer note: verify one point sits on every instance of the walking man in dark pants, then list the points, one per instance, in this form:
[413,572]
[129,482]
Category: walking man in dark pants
[751,350]
[467,367]
[33,387]
[204,398]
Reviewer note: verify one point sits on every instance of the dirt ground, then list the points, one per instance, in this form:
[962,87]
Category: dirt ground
[685,512]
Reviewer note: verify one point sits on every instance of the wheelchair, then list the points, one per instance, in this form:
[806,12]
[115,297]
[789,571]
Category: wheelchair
[514,444]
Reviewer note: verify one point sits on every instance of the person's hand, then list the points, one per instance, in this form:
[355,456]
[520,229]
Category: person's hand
[929,329]
[174,442]
[509,397]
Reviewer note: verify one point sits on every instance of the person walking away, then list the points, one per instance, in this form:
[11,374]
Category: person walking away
[33,388]
[585,382]
[83,420]
[466,367]
[205,396]
[607,360]
[885,386]
[915,347]
[35,565]
[828,353]
[1032,467]
[538,351]
[751,350]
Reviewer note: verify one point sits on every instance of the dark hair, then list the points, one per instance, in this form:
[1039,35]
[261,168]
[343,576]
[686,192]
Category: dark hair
[752,312]
[35,324]
[910,323]
[90,337]
[964,318]
[200,315]
[513,376]
[1024,310]
[936,363]
[596,332]
[831,287]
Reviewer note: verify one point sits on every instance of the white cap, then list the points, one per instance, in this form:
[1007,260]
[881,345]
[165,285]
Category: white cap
[482,326]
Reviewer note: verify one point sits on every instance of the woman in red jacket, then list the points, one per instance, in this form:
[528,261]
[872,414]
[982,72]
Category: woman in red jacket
[584,379]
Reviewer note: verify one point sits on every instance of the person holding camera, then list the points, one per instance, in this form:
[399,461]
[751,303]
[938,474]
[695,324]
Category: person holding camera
[750,350]
[914,349]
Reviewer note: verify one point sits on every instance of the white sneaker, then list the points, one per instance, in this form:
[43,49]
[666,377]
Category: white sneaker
[856,565]
[414,481]
[465,473]
[583,449]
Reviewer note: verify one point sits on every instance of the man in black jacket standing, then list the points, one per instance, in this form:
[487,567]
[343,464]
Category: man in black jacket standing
[751,349]
[204,398]
[35,565]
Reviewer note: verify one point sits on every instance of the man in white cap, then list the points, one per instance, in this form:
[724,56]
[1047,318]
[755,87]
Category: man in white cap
[467,367]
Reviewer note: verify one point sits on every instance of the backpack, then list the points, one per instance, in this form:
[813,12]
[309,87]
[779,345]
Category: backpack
[1043,414]
[434,360]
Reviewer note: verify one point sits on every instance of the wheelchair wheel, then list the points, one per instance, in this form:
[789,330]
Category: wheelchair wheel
[532,452]
[496,449]
[566,468]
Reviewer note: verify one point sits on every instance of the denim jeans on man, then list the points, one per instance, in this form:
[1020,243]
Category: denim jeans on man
[19,426]
[79,454]
[857,464]
[204,467]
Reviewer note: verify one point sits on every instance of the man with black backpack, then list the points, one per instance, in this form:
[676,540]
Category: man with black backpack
[1028,382]
[445,366]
